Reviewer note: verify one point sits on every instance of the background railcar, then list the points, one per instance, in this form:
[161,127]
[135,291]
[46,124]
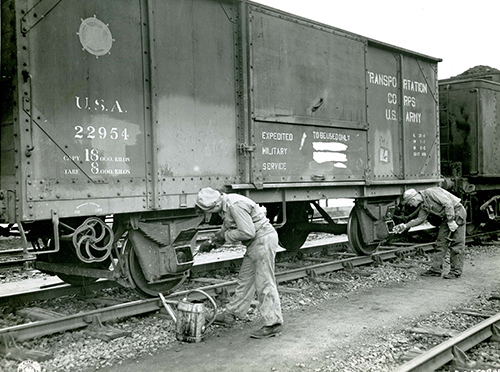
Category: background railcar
[469,107]
[126,108]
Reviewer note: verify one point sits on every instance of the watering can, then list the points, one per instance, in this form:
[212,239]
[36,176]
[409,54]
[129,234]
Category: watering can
[190,322]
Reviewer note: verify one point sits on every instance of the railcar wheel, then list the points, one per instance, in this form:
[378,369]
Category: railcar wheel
[355,237]
[141,284]
[291,237]
[295,232]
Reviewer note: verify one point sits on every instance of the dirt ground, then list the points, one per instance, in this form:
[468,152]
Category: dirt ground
[331,328]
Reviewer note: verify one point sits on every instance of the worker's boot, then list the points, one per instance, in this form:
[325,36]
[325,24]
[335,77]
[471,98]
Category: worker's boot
[452,275]
[267,331]
[225,319]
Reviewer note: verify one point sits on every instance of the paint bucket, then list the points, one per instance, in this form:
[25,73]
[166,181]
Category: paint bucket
[190,320]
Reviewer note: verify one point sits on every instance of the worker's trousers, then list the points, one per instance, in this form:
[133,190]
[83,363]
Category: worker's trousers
[257,274]
[456,246]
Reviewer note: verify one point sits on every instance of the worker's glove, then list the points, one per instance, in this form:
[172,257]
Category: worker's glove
[398,229]
[219,237]
[206,246]
[452,225]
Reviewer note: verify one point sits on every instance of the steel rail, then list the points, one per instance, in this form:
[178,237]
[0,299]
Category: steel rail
[442,354]
[63,289]
[15,262]
[19,298]
[46,327]
[54,291]
[14,252]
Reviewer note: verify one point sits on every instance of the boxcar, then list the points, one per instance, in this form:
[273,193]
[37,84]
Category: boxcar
[126,108]
[470,134]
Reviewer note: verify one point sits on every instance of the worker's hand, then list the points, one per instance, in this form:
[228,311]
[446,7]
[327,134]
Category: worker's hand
[398,229]
[206,246]
[219,237]
[452,225]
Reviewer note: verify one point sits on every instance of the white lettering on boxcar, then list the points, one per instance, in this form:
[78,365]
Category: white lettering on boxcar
[414,86]
[274,151]
[332,136]
[410,101]
[122,159]
[83,103]
[413,117]
[391,114]
[273,166]
[392,98]
[276,136]
[92,132]
[382,79]
[73,157]
[419,144]
[384,155]
[88,206]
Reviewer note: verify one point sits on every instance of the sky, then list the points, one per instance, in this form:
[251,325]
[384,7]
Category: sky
[463,33]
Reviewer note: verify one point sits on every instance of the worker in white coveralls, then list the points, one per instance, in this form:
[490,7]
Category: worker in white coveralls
[451,234]
[245,221]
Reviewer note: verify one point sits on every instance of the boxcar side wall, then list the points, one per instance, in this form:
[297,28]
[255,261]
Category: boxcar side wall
[308,101]
[402,96]
[470,127]
[9,138]
[123,106]
[196,97]
[83,113]
[340,111]
[489,131]
[117,106]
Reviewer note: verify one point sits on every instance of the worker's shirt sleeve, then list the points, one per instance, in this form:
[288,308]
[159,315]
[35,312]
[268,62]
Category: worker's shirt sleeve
[245,228]
[441,200]
[449,210]
[421,217]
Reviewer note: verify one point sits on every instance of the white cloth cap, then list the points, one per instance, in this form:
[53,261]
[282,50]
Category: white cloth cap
[408,194]
[207,198]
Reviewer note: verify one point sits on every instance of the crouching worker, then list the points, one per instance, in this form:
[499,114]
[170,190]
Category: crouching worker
[243,220]
[451,235]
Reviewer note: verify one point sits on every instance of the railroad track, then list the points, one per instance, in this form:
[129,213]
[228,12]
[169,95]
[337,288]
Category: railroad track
[63,289]
[65,323]
[124,310]
[453,350]
[15,259]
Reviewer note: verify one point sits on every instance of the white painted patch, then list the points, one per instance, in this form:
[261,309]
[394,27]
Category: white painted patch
[323,157]
[329,146]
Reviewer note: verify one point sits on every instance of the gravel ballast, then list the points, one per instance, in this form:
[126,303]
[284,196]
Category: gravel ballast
[380,349]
